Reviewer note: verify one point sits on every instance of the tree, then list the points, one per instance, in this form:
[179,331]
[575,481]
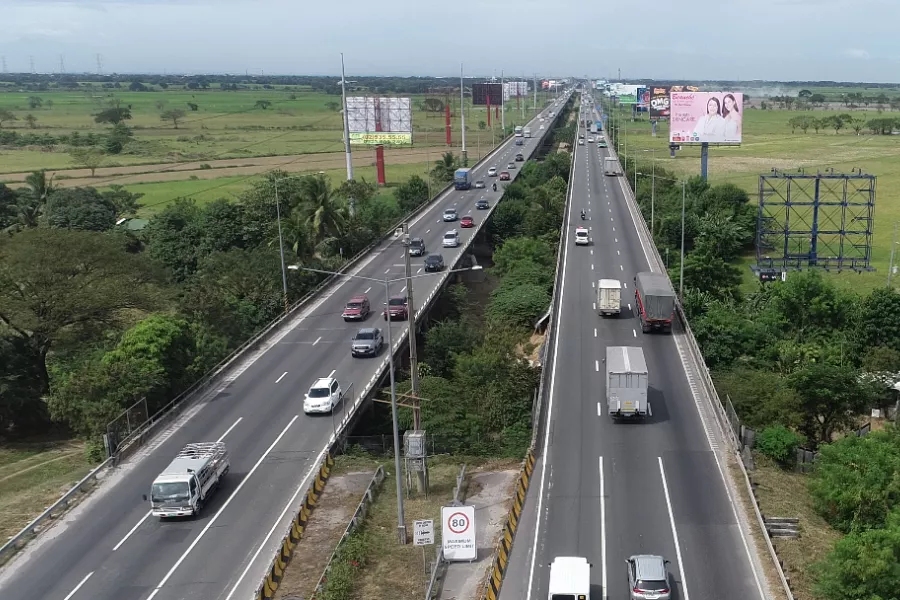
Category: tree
[118,136]
[862,565]
[173,114]
[34,102]
[857,125]
[482,125]
[855,484]
[518,306]
[55,282]
[173,236]
[708,272]
[360,191]
[835,123]
[160,104]
[31,120]
[804,94]
[113,116]
[444,341]
[325,215]
[831,398]
[6,116]
[412,193]
[519,249]
[445,167]
[778,443]
[333,106]
[22,409]
[263,104]
[88,157]
[193,106]
[80,208]
[137,86]
[817,124]
[878,321]
[125,202]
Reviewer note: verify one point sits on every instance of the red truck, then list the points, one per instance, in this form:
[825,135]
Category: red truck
[654,301]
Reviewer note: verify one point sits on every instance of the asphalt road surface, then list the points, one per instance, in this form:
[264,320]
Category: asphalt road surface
[606,490]
[111,549]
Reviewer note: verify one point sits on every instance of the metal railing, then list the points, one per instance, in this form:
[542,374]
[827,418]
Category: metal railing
[439,567]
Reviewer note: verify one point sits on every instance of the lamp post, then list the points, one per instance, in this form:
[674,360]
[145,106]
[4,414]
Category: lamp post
[281,249]
[681,273]
[401,519]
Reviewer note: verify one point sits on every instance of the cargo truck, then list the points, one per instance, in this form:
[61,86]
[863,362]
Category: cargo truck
[462,179]
[527,132]
[611,166]
[182,488]
[654,302]
[518,131]
[609,297]
[627,382]
[570,579]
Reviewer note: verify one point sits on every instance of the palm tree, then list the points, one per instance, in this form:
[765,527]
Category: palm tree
[324,214]
[40,186]
[297,235]
[444,168]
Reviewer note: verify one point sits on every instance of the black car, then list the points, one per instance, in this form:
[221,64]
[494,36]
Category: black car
[434,262]
[482,204]
[416,247]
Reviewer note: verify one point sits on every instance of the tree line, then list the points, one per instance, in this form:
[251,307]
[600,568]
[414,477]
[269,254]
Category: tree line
[94,317]
[878,125]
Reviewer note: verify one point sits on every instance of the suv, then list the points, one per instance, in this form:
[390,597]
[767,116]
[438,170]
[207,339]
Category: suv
[451,239]
[492,172]
[367,342]
[479,184]
[416,247]
[397,308]
[357,309]
[434,262]
[647,577]
[450,214]
[323,395]
[520,157]
[581,236]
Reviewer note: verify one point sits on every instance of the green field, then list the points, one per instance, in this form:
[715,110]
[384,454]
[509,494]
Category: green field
[768,143]
[227,124]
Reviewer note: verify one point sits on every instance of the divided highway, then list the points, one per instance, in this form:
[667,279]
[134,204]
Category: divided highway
[606,490]
[111,549]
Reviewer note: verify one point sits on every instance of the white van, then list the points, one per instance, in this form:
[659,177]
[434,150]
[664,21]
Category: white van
[570,578]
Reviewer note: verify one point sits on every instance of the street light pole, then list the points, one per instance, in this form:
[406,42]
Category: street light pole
[502,105]
[401,519]
[681,274]
[413,357]
[652,194]
[462,115]
[351,205]
[281,248]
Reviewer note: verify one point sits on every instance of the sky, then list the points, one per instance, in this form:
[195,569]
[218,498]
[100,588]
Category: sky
[776,40]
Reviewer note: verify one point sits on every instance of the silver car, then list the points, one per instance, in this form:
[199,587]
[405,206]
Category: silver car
[367,342]
[648,578]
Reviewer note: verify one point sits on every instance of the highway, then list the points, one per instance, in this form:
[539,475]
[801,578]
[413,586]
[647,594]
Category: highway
[606,490]
[109,548]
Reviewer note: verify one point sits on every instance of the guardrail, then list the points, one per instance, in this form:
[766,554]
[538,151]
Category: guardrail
[439,567]
[57,508]
[359,515]
[698,365]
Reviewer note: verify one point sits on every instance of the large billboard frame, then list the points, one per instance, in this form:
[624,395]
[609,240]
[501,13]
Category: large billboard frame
[482,91]
[690,123]
[659,102]
[374,120]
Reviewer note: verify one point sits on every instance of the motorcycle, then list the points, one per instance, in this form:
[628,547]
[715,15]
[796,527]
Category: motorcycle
[494,186]
[582,215]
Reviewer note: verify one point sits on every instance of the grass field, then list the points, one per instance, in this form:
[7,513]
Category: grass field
[227,124]
[767,143]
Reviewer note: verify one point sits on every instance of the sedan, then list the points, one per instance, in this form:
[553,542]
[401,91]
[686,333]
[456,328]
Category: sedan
[434,262]
[467,222]
[479,184]
[450,214]
[504,175]
[367,342]
[511,166]
[492,172]
[482,204]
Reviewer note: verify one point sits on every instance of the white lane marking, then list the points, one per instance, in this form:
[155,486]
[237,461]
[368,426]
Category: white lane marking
[617,240]
[634,332]
[629,307]
[603,525]
[78,587]
[595,306]
[427,231]
[419,271]
[125,539]
[613,227]
[610,218]
[595,332]
[282,377]
[318,339]
[600,414]
[403,290]
[221,510]
[621,268]
[233,425]
[662,473]
[592,283]
[625,285]
[332,373]
[592,266]
[368,289]
[387,271]
[597,365]
[618,253]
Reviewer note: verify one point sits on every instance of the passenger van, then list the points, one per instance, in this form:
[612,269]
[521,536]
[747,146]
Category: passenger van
[570,578]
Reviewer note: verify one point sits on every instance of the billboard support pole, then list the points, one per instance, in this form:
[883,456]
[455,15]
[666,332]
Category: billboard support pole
[351,205]
[462,116]
[704,160]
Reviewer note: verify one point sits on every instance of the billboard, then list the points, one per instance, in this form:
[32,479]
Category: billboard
[684,88]
[706,117]
[627,98]
[659,102]
[515,89]
[643,98]
[481,92]
[545,84]
[376,120]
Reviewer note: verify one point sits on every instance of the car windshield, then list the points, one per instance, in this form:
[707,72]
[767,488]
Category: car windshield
[449,211]
[318,392]
[433,259]
[354,304]
[170,492]
[448,236]
[397,301]
[365,335]
[417,242]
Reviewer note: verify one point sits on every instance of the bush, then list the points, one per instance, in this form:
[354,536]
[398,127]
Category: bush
[778,443]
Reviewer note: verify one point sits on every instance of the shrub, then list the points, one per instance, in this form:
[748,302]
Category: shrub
[778,443]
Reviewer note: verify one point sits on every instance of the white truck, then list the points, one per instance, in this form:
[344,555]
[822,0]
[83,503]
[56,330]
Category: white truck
[609,297]
[182,488]
[570,578]
[627,383]
[527,132]
[611,166]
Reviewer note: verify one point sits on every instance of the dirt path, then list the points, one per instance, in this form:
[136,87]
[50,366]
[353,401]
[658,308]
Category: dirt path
[226,167]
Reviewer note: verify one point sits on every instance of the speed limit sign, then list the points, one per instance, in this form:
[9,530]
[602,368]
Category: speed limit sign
[458,532]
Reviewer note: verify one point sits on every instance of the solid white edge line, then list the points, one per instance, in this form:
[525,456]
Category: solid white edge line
[221,510]
[662,473]
[603,526]
[78,587]
[562,288]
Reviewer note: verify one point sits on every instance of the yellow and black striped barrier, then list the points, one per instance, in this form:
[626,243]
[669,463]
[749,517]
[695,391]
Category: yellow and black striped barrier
[504,547]
[283,556]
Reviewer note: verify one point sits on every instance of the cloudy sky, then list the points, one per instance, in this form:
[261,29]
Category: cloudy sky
[848,40]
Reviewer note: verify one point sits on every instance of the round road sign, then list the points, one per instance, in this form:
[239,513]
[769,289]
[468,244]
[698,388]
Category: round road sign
[458,523]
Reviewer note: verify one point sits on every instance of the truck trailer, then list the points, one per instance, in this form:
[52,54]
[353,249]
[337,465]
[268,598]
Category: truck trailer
[654,302]
[462,179]
[182,488]
[627,382]
[609,297]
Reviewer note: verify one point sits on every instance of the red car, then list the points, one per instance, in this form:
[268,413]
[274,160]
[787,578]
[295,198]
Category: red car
[504,175]
[467,222]
[357,308]
[397,308]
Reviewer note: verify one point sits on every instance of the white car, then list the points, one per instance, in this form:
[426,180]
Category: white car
[542,126]
[323,396]
[581,236]
[492,172]
[581,142]
[591,140]
[451,239]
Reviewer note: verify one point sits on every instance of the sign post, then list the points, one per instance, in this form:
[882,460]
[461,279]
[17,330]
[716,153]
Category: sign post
[458,533]
[423,535]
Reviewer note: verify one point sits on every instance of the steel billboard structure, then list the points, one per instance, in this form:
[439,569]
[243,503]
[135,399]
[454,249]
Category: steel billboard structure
[481,92]
[375,120]
[823,221]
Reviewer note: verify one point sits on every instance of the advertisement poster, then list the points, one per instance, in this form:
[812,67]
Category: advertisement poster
[706,117]
[659,102]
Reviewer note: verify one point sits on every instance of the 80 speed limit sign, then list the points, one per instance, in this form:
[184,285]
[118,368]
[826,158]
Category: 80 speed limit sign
[458,532]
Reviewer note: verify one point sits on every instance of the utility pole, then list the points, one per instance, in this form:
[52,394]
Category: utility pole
[502,105]
[62,64]
[681,273]
[401,517]
[31,60]
[652,194]
[281,249]
[99,64]
[351,205]
[893,246]
[462,117]
[534,86]
[421,480]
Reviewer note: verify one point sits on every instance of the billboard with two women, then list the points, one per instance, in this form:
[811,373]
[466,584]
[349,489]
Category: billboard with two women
[706,117]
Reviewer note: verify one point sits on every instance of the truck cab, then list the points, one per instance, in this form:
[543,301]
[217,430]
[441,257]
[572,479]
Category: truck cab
[182,488]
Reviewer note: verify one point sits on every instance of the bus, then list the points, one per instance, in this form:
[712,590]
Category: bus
[570,578]
[519,131]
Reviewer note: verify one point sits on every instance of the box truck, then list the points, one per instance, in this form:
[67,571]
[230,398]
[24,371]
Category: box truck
[627,382]
[609,297]
[654,302]
[462,179]
[611,166]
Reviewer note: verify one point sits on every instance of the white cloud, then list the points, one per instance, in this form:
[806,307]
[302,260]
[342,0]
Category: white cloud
[857,53]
